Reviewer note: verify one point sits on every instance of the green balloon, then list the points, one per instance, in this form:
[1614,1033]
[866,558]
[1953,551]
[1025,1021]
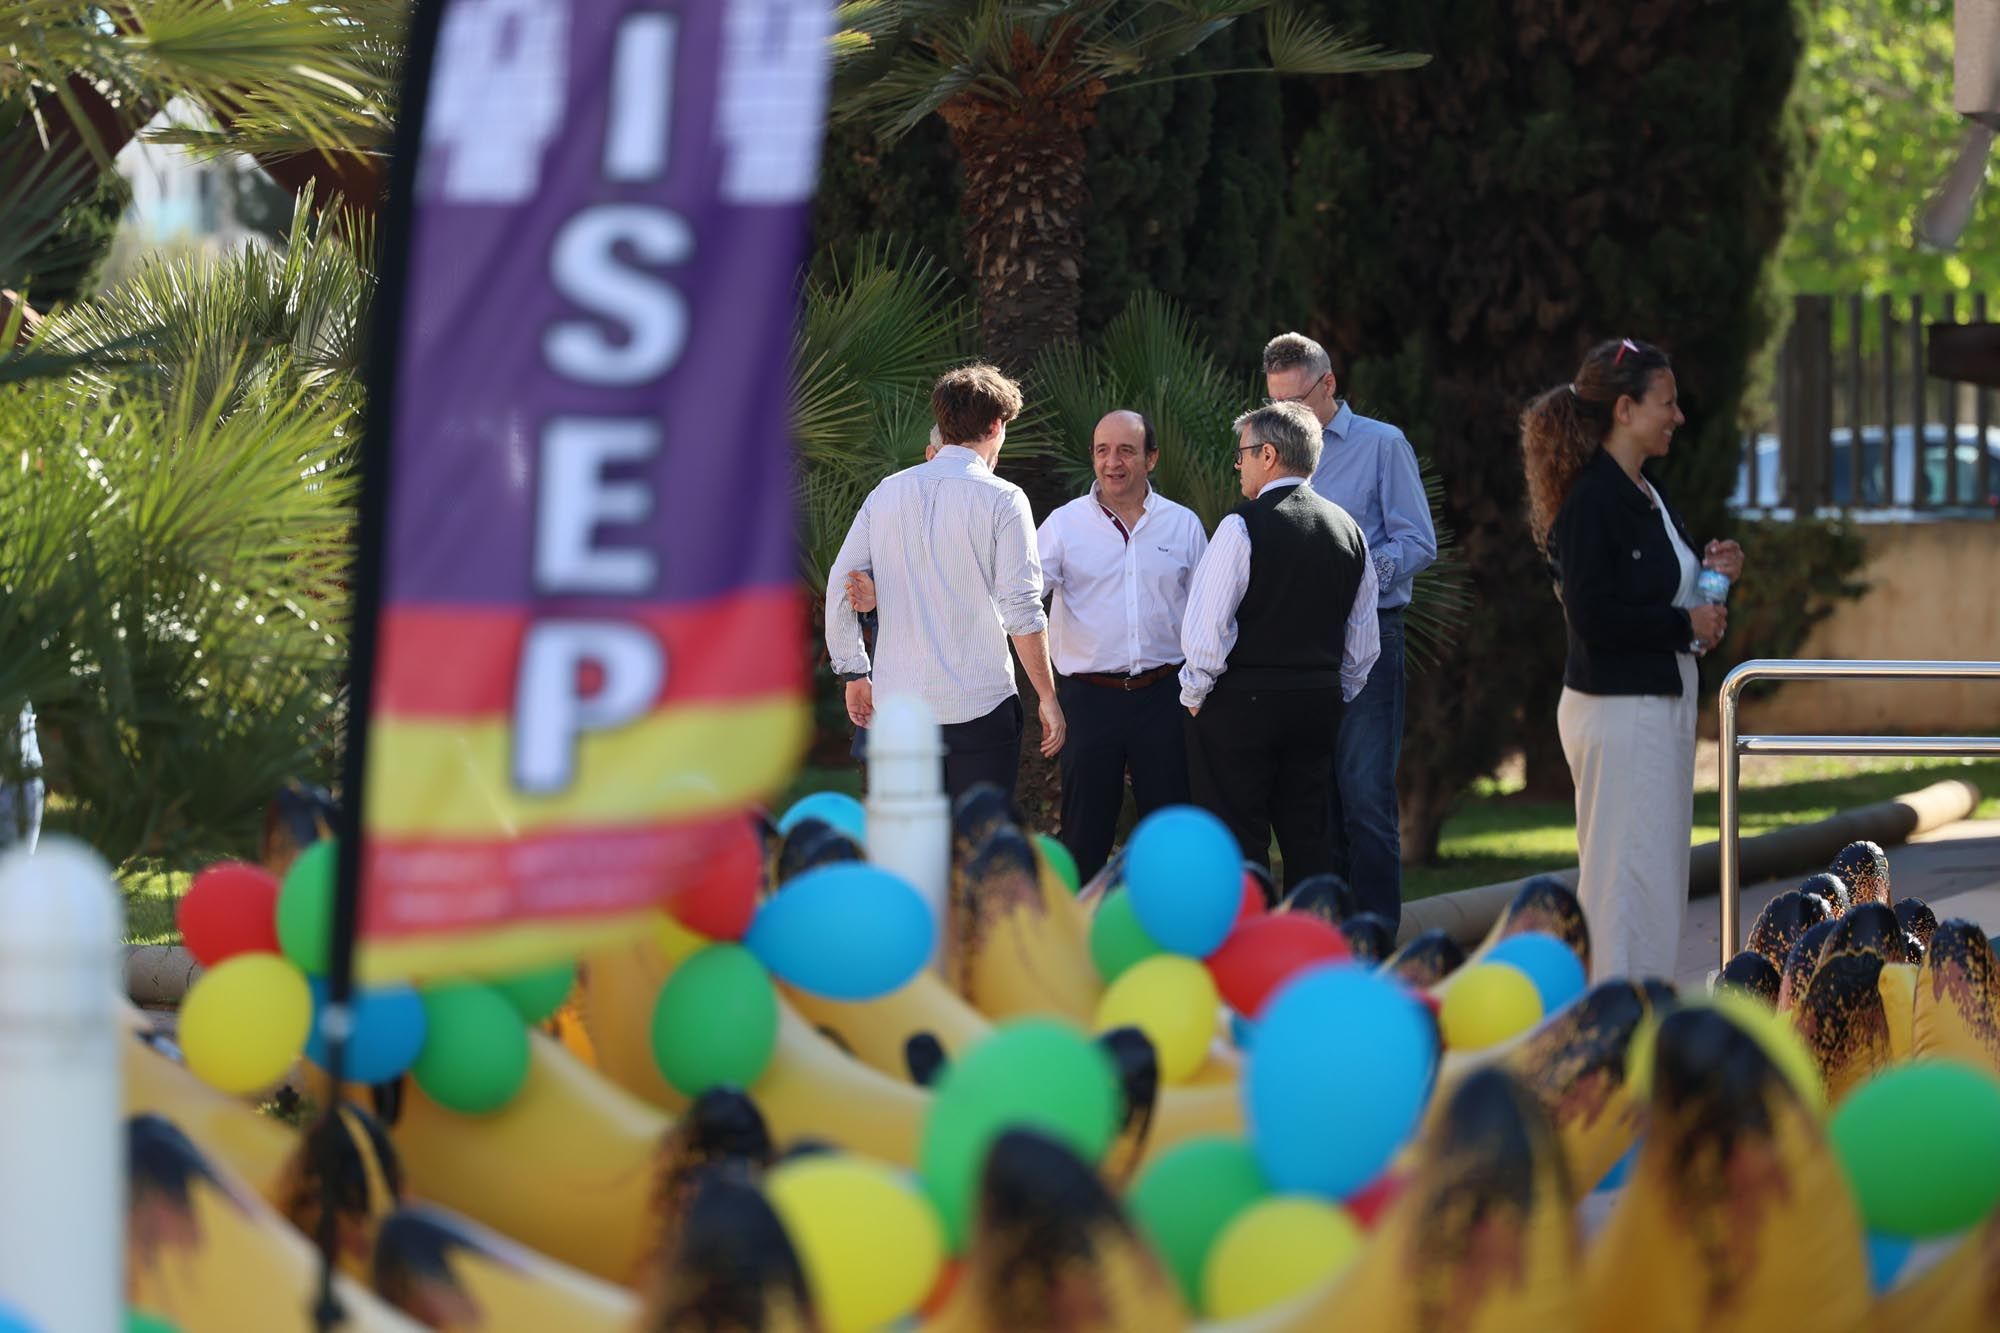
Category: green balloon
[1033,1074]
[1059,860]
[475,1054]
[1117,940]
[305,908]
[1185,1199]
[716,1021]
[138,1321]
[1921,1147]
[536,995]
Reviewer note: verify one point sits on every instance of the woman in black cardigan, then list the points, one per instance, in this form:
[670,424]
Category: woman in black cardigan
[1625,571]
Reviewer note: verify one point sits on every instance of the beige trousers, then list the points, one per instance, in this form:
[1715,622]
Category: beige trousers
[1633,760]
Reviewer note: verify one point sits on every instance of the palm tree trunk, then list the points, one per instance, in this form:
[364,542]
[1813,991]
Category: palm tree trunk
[1023,204]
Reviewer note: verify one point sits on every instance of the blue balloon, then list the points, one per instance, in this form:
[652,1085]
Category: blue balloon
[1886,1257]
[1240,1029]
[1340,1066]
[1620,1170]
[1185,874]
[847,931]
[832,807]
[389,1029]
[12,1321]
[1552,965]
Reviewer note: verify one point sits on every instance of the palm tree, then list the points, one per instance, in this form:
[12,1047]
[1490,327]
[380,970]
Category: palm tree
[1017,83]
[176,535]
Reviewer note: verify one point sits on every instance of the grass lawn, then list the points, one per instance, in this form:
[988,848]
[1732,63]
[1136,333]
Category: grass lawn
[1493,836]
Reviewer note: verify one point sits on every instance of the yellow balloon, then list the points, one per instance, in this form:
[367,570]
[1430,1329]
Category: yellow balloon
[1486,1005]
[678,942]
[245,1022]
[1173,1001]
[1771,1030]
[1274,1250]
[869,1241]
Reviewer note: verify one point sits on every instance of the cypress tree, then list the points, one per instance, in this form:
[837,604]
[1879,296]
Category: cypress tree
[1558,174]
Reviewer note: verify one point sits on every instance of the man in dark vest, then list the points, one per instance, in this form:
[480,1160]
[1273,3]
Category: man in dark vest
[1280,633]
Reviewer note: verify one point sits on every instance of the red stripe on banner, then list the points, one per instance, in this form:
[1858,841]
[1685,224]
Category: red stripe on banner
[461,661]
[433,887]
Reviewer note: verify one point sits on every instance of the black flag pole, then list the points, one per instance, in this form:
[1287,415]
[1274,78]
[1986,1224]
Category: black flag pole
[392,262]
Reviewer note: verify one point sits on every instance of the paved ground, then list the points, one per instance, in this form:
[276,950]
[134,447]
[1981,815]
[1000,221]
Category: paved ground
[1955,869]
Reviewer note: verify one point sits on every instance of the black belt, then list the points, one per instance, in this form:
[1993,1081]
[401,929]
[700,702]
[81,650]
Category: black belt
[1138,682]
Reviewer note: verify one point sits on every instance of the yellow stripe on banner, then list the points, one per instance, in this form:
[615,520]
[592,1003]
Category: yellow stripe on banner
[494,952]
[452,778]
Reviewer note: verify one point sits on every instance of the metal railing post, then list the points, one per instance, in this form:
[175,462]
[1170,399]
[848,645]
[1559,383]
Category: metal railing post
[1731,770]
[1735,745]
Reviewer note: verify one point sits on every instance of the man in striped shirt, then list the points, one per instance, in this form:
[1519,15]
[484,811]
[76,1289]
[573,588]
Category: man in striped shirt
[957,575]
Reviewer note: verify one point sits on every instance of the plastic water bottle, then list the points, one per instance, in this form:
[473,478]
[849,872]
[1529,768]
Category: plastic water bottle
[1712,585]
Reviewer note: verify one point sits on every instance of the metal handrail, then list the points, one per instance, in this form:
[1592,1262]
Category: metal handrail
[1734,747]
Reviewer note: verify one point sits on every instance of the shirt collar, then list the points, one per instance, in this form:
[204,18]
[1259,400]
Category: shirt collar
[961,456]
[1342,420]
[1145,506]
[1276,482]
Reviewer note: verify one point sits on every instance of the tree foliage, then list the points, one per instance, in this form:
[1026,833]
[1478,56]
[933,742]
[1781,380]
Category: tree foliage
[1876,86]
[1461,234]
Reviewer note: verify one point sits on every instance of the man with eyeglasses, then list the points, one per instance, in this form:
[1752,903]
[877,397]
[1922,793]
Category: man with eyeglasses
[1368,468]
[1280,634]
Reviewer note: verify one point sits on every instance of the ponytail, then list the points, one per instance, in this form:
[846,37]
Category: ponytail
[1557,439]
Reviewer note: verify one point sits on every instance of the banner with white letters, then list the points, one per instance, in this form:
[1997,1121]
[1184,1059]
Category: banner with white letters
[585,659]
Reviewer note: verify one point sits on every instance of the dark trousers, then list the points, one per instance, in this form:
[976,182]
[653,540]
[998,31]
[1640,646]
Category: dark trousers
[1367,841]
[986,749]
[1110,731]
[1262,760]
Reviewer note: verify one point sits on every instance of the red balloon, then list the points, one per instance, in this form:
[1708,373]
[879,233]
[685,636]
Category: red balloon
[1266,951]
[1368,1206]
[230,908]
[1253,899]
[720,900]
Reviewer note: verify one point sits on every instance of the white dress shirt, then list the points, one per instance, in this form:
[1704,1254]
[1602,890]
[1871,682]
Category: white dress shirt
[1209,631]
[1119,596]
[952,551]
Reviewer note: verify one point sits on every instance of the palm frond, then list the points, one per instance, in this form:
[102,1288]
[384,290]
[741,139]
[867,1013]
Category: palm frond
[314,68]
[1441,597]
[1301,44]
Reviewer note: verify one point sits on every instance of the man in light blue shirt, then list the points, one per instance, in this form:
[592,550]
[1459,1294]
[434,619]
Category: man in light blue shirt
[1367,468]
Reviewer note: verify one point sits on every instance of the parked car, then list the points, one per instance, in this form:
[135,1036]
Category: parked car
[1902,492]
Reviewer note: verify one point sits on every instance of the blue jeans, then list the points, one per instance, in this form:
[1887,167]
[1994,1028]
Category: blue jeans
[1367,837]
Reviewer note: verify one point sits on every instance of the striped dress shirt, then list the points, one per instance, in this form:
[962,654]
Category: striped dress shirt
[951,548]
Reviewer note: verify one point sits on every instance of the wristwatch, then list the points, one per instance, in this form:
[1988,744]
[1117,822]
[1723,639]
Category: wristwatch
[851,676]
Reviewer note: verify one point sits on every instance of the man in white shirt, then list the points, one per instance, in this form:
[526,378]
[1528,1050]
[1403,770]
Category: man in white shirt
[1280,633]
[1119,561]
[956,574]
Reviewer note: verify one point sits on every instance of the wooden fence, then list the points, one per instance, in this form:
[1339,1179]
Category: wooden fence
[1852,370]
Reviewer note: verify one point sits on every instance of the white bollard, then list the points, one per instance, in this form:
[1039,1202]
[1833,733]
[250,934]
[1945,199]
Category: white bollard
[62,1125]
[909,819]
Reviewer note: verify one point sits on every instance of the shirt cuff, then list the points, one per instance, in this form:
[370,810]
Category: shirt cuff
[1385,572]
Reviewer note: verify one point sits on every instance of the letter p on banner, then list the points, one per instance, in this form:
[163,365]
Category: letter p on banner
[578,656]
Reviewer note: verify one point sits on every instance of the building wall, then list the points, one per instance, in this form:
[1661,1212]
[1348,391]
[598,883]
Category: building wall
[1934,593]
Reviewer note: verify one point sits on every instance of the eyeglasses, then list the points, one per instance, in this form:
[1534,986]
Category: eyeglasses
[1625,345]
[1243,449]
[1312,389]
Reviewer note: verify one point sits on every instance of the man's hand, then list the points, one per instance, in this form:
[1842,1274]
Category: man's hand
[1054,727]
[861,702]
[860,592]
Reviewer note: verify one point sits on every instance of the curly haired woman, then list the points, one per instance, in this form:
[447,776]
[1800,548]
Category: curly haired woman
[1626,575]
